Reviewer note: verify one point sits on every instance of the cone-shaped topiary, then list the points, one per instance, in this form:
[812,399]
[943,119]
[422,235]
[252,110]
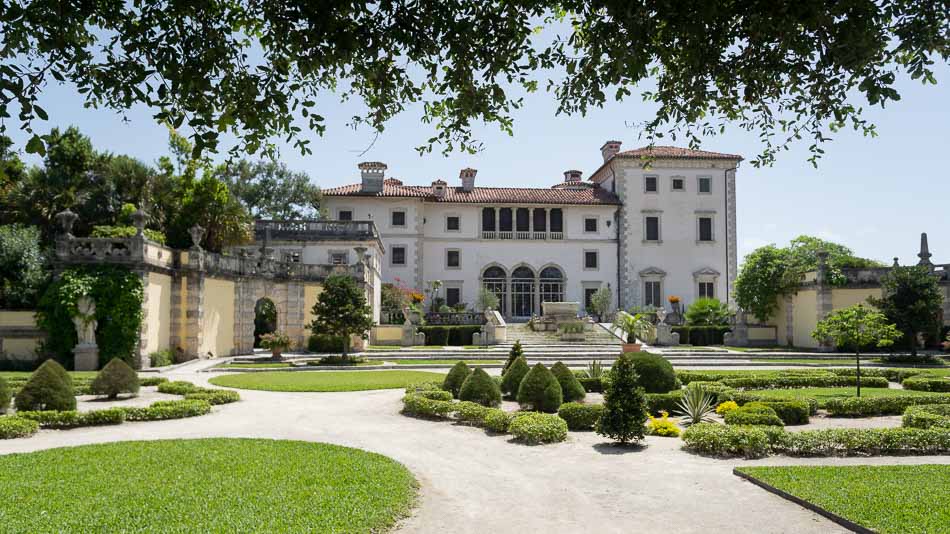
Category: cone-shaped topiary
[46,390]
[116,377]
[513,377]
[625,408]
[540,390]
[515,353]
[655,372]
[5,395]
[571,388]
[479,387]
[455,378]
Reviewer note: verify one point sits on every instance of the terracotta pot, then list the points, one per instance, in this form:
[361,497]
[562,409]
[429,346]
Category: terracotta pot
[631,347]
[275,354]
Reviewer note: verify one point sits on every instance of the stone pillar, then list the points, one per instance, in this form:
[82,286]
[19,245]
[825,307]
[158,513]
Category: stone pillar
[732,242]
[789,321]
[141,359]
[86,358]
[296,314]
[175,324]
[823,301]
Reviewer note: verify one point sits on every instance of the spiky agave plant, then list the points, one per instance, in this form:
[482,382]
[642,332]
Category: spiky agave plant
[595,369]
[696,406]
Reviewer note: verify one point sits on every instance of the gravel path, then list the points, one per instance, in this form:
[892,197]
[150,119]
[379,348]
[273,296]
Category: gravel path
[472,482]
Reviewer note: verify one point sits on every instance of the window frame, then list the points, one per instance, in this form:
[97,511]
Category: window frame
[392,215]
[392,255]
[658,215]
[458,219]
[699,185]
[458,256]
[658,303]
[681,180]
[656,184]
[699,228]
[596,221]
[341,211]
[596,257]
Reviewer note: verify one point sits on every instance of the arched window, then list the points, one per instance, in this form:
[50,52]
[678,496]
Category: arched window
[522,292]
[552,285]
[495,280]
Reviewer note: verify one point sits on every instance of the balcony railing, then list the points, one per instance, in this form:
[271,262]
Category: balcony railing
[303,230]
[539,236]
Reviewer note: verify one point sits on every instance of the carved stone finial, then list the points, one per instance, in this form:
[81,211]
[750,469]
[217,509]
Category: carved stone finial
[139,218]
[896,264]
[197,233]
[360,254]
[924,253]
[66,220]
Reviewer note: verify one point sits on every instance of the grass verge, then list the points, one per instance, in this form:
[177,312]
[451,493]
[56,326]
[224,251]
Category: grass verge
[888,499]
[450,362]
[204,485]
[823,395]
[325,380]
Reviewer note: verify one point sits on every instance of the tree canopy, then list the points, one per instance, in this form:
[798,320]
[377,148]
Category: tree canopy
[911,299]
[341,310]
[266,70]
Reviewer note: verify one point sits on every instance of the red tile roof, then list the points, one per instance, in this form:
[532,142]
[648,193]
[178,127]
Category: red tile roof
[674,152]
[485,195]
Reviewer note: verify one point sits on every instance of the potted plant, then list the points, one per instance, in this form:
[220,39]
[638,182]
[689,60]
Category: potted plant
[277,342]
[572,331]
[674,303]
[634,327]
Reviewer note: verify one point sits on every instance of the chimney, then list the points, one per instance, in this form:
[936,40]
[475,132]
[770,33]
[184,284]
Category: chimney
[372,174]
[572,176]
[438,188]
[468,178]
[609,150]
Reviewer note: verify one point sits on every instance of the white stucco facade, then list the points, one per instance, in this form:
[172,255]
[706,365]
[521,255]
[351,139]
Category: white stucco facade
[592,234]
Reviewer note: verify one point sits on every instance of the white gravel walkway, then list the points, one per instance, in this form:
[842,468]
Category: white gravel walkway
[472,482]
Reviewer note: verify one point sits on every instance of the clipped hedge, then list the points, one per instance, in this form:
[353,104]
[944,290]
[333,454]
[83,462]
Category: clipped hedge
[12,427]
[663,402]
[927,383]
[497,420]
[471,413]
[702,335]
[73,419]
[655,373]
[793,412]
[534,428]
[591,385]
[753,414]
[817,381]
[6,393]
[894,375]
[162,410]
[322,343]
[927,416]
[215,397]
[439,395]
[450,335]
[152,381]
[419,406]
[728,440]
[178,387]
[867,406]
[580,416]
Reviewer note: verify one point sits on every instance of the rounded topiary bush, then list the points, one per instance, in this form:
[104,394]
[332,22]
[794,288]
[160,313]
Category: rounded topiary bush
[753,413]
[456,377]
[5,395]
[479,387]
[116,377]
[655,372]
[516,372]
[538,428]
[539,390]
[49,388]
[571,388]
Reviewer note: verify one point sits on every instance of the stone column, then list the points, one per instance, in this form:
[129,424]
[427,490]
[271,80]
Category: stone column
[732,259]
[823,298]
[141,359]
[174,327]
[789,321]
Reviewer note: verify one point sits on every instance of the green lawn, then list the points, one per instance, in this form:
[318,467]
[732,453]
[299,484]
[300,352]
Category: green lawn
[325,380]
[823,395]
[475,347]
[452,362]
[203,485]
[253,365]
[902,499]
[806,360]
[768,349]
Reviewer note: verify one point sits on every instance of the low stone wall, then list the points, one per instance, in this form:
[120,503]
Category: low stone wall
[19,335]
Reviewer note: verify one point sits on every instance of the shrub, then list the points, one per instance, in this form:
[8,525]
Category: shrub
[624,404]
[866,441]
[423,407]
[497,420]
[803,381]
[449,335]
[426,386]
[927,383]
[152,381]
[161,358]
[513,377]
[791,412]
[867,406]
[12,427]
[162,410]
[515,353]
[73,419]
[662,426]
[324,343]
[663,402]
[726,407]
[753,414]
[580,416]
[539,390]
[571,389]
[471,412]
[178,387]
[696,406]
[594,385]
[116,377]
[439,395]
[893,375]
[655,372]
[927,416]
[701,335]
[334,359]
[456,377]
[6,393]
[215,397]
[480,388]
[49,388]
[728,440]
[536,428]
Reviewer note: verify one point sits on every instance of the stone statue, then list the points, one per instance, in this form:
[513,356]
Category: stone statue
[660,315]
[85,321]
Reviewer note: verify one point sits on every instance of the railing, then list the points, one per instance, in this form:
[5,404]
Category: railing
[540,236]
[392,317]
[113,250]
[523,235]
[304,230]
[505,235]
[269,267]
[455,318]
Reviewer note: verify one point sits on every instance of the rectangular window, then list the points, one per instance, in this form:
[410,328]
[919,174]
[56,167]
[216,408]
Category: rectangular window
[338,258]
[453,223]
[557,220]
[590,259]
[398,255]
[651,294]
[705,229]
[679,184]
[399,218]
[452,259]
[488,219]
[453,295]
[590,224]
[705,184]
[652,228]
[345,215]
[650,184]
[505,220]
[706,290]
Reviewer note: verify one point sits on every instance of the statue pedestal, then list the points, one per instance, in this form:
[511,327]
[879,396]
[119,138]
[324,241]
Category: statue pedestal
[666,336]
[86,357]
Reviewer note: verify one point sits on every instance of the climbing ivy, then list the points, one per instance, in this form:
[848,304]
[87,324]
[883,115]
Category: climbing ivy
[118,295]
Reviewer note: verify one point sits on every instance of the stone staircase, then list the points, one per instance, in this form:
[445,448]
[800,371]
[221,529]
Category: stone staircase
[596,337]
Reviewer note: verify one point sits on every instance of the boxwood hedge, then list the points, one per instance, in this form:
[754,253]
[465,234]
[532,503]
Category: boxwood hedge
[580,416]
[927,416]
[867,406]
[927,383]
[536,427]
[12,427]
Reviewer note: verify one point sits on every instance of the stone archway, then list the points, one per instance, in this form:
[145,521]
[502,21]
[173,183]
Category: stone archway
[288,299]
[265,319]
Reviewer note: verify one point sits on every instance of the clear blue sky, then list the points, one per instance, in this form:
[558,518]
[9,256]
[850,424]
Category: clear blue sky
[873,194]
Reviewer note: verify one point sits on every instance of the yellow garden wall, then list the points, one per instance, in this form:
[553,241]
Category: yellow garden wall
[805,318]
[20,348]
[387,335]
[311,292]
[217,323]
[18,318]
[842,298]
[158,312]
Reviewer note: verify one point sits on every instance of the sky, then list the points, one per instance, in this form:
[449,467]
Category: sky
[875,195]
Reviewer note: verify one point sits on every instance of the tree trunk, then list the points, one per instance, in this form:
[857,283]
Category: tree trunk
[346,343]
[913,343]
[857,359]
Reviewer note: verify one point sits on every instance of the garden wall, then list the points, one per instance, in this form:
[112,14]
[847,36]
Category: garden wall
[19,336]
[386,335]
[217,321]
[158,310]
